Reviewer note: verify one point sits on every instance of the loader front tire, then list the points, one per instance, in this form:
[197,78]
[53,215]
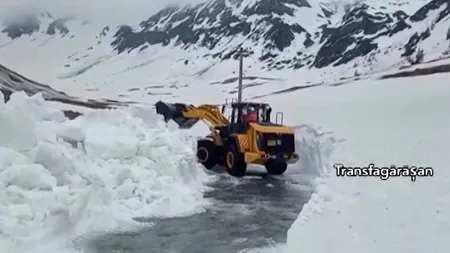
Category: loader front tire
[235,162]
[275,167]
[207,153]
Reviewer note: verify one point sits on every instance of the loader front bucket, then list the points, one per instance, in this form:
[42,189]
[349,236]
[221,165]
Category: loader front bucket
[175,112]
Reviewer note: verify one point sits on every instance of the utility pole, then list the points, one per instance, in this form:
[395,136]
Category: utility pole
[241,63]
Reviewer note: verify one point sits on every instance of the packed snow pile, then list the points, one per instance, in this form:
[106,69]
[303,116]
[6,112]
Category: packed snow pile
[95,173]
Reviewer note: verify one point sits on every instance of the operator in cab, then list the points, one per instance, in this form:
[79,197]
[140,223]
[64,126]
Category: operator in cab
[252,115]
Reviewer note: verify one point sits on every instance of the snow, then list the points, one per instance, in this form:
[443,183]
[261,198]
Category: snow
[62,179]
[85,65]
[89,181]
[391,122]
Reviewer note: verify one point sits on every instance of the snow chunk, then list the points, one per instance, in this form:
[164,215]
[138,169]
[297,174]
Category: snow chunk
[37,106]
[15,130]
[56,161]
[109,142]
[28,177]
[9,157]
[71,132]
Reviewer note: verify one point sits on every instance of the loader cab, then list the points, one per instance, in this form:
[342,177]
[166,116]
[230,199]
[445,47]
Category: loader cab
[244,113]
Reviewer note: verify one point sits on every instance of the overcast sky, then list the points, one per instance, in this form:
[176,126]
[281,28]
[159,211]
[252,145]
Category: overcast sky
[91,9]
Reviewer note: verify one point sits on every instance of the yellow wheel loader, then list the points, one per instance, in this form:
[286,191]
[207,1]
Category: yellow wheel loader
[239,140]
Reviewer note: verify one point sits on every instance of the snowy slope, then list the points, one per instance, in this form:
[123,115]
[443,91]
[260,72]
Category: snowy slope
[391,122]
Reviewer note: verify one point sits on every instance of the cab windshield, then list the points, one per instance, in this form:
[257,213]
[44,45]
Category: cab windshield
[256,114]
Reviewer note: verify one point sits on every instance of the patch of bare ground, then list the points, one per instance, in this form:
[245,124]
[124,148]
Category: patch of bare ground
[11,82]
[444,68]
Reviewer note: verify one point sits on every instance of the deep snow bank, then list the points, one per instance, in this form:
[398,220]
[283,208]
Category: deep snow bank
[68,178]
[389,122]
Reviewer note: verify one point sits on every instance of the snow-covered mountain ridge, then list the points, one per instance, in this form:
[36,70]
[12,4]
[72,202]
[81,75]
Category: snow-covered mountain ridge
[282,34]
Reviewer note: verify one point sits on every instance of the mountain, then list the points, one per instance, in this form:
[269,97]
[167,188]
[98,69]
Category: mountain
[11,82]
[277,34]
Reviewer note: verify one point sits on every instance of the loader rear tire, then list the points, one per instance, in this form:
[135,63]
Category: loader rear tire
[235,162]
[275,167]
[207,153]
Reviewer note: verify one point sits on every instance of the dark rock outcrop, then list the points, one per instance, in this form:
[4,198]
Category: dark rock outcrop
[356,35]
[11,82]
[420,71]
[58,26]
[17,26]
[424,12]
[420,16]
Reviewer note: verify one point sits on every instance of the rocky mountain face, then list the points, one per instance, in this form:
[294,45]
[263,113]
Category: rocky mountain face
[28,24]
[279,33]
[263,27]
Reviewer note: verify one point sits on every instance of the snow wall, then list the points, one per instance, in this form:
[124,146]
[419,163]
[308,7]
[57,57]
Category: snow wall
[60,179]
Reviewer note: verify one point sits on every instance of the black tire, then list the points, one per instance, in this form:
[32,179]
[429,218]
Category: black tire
[275,167]
[207,153]
[235,162]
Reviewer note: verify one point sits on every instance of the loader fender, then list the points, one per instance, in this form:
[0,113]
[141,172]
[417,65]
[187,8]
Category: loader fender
[233,141]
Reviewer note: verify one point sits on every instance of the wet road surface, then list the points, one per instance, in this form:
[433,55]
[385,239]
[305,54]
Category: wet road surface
[251,212]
